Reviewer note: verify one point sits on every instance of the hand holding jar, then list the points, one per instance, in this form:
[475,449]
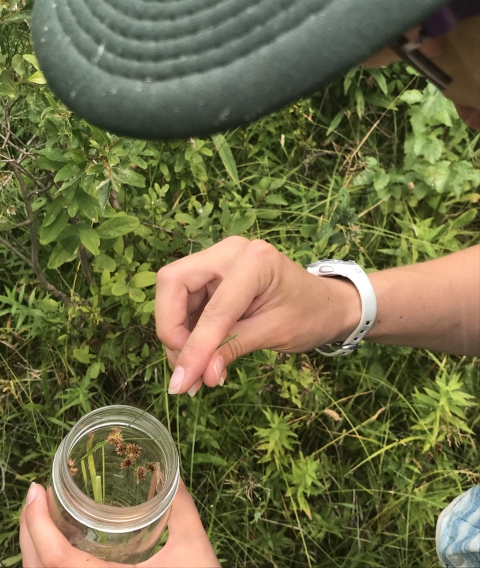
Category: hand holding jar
[44,546]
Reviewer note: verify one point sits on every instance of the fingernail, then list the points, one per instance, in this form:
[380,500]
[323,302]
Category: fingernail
[31,493]
[218,367]
[193,390]
[176,380]
[221,382]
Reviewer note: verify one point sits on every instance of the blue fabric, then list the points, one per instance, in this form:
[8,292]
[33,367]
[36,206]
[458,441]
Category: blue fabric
[458,532]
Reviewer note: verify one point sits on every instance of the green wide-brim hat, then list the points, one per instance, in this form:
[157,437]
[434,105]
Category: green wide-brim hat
[159,69]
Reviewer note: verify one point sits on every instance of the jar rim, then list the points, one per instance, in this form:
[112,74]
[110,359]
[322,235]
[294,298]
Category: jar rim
[104,517]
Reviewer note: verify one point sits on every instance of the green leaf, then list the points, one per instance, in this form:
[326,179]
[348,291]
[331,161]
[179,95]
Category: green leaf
[143,280]
[411,97]
[277,183]
[45,163]
[39,203]
[360,102]
[11,560]
[95,369]
[209,458]
[8,87]
[276,200]
[32,60]
[268,214]
[432,149]
[138,161]
[6,224]
[148,307]
[15,18]
[464,177]
[88,205]
[241,222]
[136,295]
[90,239]
[226,156]
[53,230]
[380,101]
[184,218]
[120,289]
[335,122]
[380,182]
[464,219]
[38,77]
[164,170]
[53,211]
[60,423]
[65,251]
[419,144]
[437,175]
[18,64]
[105,278]
[82,355]
[54,154]
[67,172]
[379,77]
[117,226]
[130,177]
[104,262]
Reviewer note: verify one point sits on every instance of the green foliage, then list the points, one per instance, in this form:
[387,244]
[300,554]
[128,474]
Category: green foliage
[277,439]
[304,482]
[443,410]
[298,460]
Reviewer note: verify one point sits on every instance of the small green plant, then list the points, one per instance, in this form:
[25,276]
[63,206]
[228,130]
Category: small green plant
[443,411]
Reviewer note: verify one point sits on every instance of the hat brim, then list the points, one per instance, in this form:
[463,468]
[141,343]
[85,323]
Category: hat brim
[179,68]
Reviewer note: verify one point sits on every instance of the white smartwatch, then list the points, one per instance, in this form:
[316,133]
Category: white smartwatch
[351,270]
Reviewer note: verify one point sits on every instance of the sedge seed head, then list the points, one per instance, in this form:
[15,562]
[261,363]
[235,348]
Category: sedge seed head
[115,437]
[152,467]
[134,451]
[141,473]
[126,463]
[121,449]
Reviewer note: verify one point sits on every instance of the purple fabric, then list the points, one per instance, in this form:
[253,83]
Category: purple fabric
[444,19]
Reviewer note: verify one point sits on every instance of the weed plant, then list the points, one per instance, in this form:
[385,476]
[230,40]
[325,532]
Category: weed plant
[299,461]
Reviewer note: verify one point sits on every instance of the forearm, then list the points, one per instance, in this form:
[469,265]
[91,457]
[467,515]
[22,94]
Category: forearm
[432,305]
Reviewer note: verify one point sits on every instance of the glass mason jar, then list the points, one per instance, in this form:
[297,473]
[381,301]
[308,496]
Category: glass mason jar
[114,478]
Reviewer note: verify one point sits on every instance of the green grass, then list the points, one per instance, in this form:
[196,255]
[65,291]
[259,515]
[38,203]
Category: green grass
[299,460]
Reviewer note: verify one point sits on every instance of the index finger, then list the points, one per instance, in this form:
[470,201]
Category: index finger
[248,278]
[179,288]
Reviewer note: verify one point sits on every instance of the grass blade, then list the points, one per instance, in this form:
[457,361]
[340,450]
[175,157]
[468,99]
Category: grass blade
[226,156]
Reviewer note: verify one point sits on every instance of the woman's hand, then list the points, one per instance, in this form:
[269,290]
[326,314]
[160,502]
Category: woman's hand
[249,290]
[44,546]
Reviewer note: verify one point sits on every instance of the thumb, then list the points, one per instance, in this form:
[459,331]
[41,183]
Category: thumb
[184,518]
[52,548]
[257,332]
[187,544]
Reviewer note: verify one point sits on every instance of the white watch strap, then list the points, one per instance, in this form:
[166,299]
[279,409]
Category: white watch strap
[351,270]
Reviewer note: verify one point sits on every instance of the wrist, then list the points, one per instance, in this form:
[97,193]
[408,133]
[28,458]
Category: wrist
[345,307]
